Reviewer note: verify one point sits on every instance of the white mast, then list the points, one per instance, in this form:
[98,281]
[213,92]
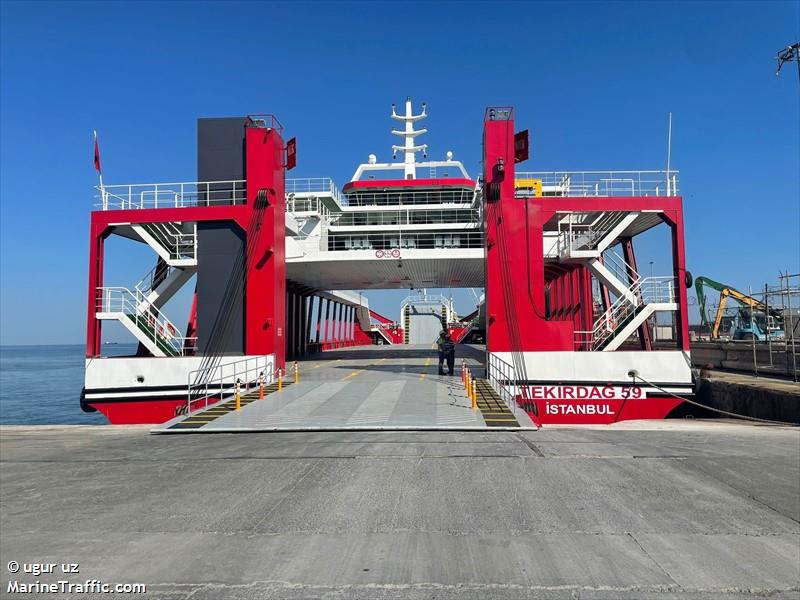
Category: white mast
[409,149]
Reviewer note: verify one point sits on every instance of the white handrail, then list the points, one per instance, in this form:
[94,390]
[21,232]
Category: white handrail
[605,183]
[179,194]
[503,379]
[218,382]
[324,186]
[134,304]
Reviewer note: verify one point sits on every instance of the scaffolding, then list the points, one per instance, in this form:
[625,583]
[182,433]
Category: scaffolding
[781,354]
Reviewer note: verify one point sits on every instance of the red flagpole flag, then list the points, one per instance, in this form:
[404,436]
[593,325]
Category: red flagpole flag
[97,154]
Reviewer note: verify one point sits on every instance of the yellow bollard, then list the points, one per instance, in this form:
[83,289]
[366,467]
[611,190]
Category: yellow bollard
[296,372]
[261,385]
[474,396]
[280,380]
[238,397]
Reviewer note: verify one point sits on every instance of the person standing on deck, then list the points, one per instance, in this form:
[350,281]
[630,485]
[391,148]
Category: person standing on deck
[447,352]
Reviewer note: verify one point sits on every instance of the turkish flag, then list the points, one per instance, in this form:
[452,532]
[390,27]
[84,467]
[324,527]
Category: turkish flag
[97,154]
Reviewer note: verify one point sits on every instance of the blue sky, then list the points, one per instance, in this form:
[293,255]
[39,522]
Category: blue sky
[592,81]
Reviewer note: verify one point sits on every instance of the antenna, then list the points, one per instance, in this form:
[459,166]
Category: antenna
[408,133]
[669,149]
[789,54]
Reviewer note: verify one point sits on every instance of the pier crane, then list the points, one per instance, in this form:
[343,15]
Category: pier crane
[758,323]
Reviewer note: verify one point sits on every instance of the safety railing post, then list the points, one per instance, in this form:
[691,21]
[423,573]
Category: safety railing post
[474,397]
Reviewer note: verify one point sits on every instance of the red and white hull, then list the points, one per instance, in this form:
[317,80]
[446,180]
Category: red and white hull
[143,390]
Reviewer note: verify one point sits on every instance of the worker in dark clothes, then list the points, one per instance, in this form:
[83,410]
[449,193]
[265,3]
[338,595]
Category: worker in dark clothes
[447,352]
[440,342]
[450,354]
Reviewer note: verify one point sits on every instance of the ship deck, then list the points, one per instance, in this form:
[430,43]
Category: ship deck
[363,388]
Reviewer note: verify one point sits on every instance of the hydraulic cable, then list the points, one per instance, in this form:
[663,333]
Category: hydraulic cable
[235,284]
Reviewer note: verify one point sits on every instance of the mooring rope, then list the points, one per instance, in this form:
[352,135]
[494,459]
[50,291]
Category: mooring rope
[634,375]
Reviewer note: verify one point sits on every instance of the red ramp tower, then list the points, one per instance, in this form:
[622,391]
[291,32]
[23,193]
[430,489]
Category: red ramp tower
[570,319]
[228,228]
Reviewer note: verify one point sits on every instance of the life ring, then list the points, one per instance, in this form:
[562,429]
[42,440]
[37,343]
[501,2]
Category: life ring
[171,330]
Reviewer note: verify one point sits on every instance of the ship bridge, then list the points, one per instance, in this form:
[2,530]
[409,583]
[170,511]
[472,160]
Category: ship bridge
[385,235]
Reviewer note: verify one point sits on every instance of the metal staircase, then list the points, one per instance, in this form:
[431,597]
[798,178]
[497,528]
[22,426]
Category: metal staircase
[146,322]
[176,246]
[586,238]
[623,317]
[139,309]
[162,283]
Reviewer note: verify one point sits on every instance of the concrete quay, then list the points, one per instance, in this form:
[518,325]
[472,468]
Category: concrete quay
[777,359]
[749,395]
[640,510]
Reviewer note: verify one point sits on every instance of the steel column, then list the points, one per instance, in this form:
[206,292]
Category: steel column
[298,329]
[309,317]
[288,306]
[327,320]
[98,235]
[337,319]
[645,339]
[319,317]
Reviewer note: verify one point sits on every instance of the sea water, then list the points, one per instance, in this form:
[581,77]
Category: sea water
[41,385]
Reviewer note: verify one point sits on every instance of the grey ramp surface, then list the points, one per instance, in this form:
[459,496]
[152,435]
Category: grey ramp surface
[362,387]
[559,513]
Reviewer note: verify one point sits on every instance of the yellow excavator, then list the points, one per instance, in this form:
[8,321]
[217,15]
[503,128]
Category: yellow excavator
[754,319]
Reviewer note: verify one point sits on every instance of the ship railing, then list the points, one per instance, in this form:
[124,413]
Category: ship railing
[386,242]
[216,383]
[134,305]
[404,196]
[410,216]
[314,185]
[603,183]
[171,195]
[425,299]
[303,206]
[503,379]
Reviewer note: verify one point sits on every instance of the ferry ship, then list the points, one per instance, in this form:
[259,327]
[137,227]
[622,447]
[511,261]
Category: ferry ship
[566,317]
